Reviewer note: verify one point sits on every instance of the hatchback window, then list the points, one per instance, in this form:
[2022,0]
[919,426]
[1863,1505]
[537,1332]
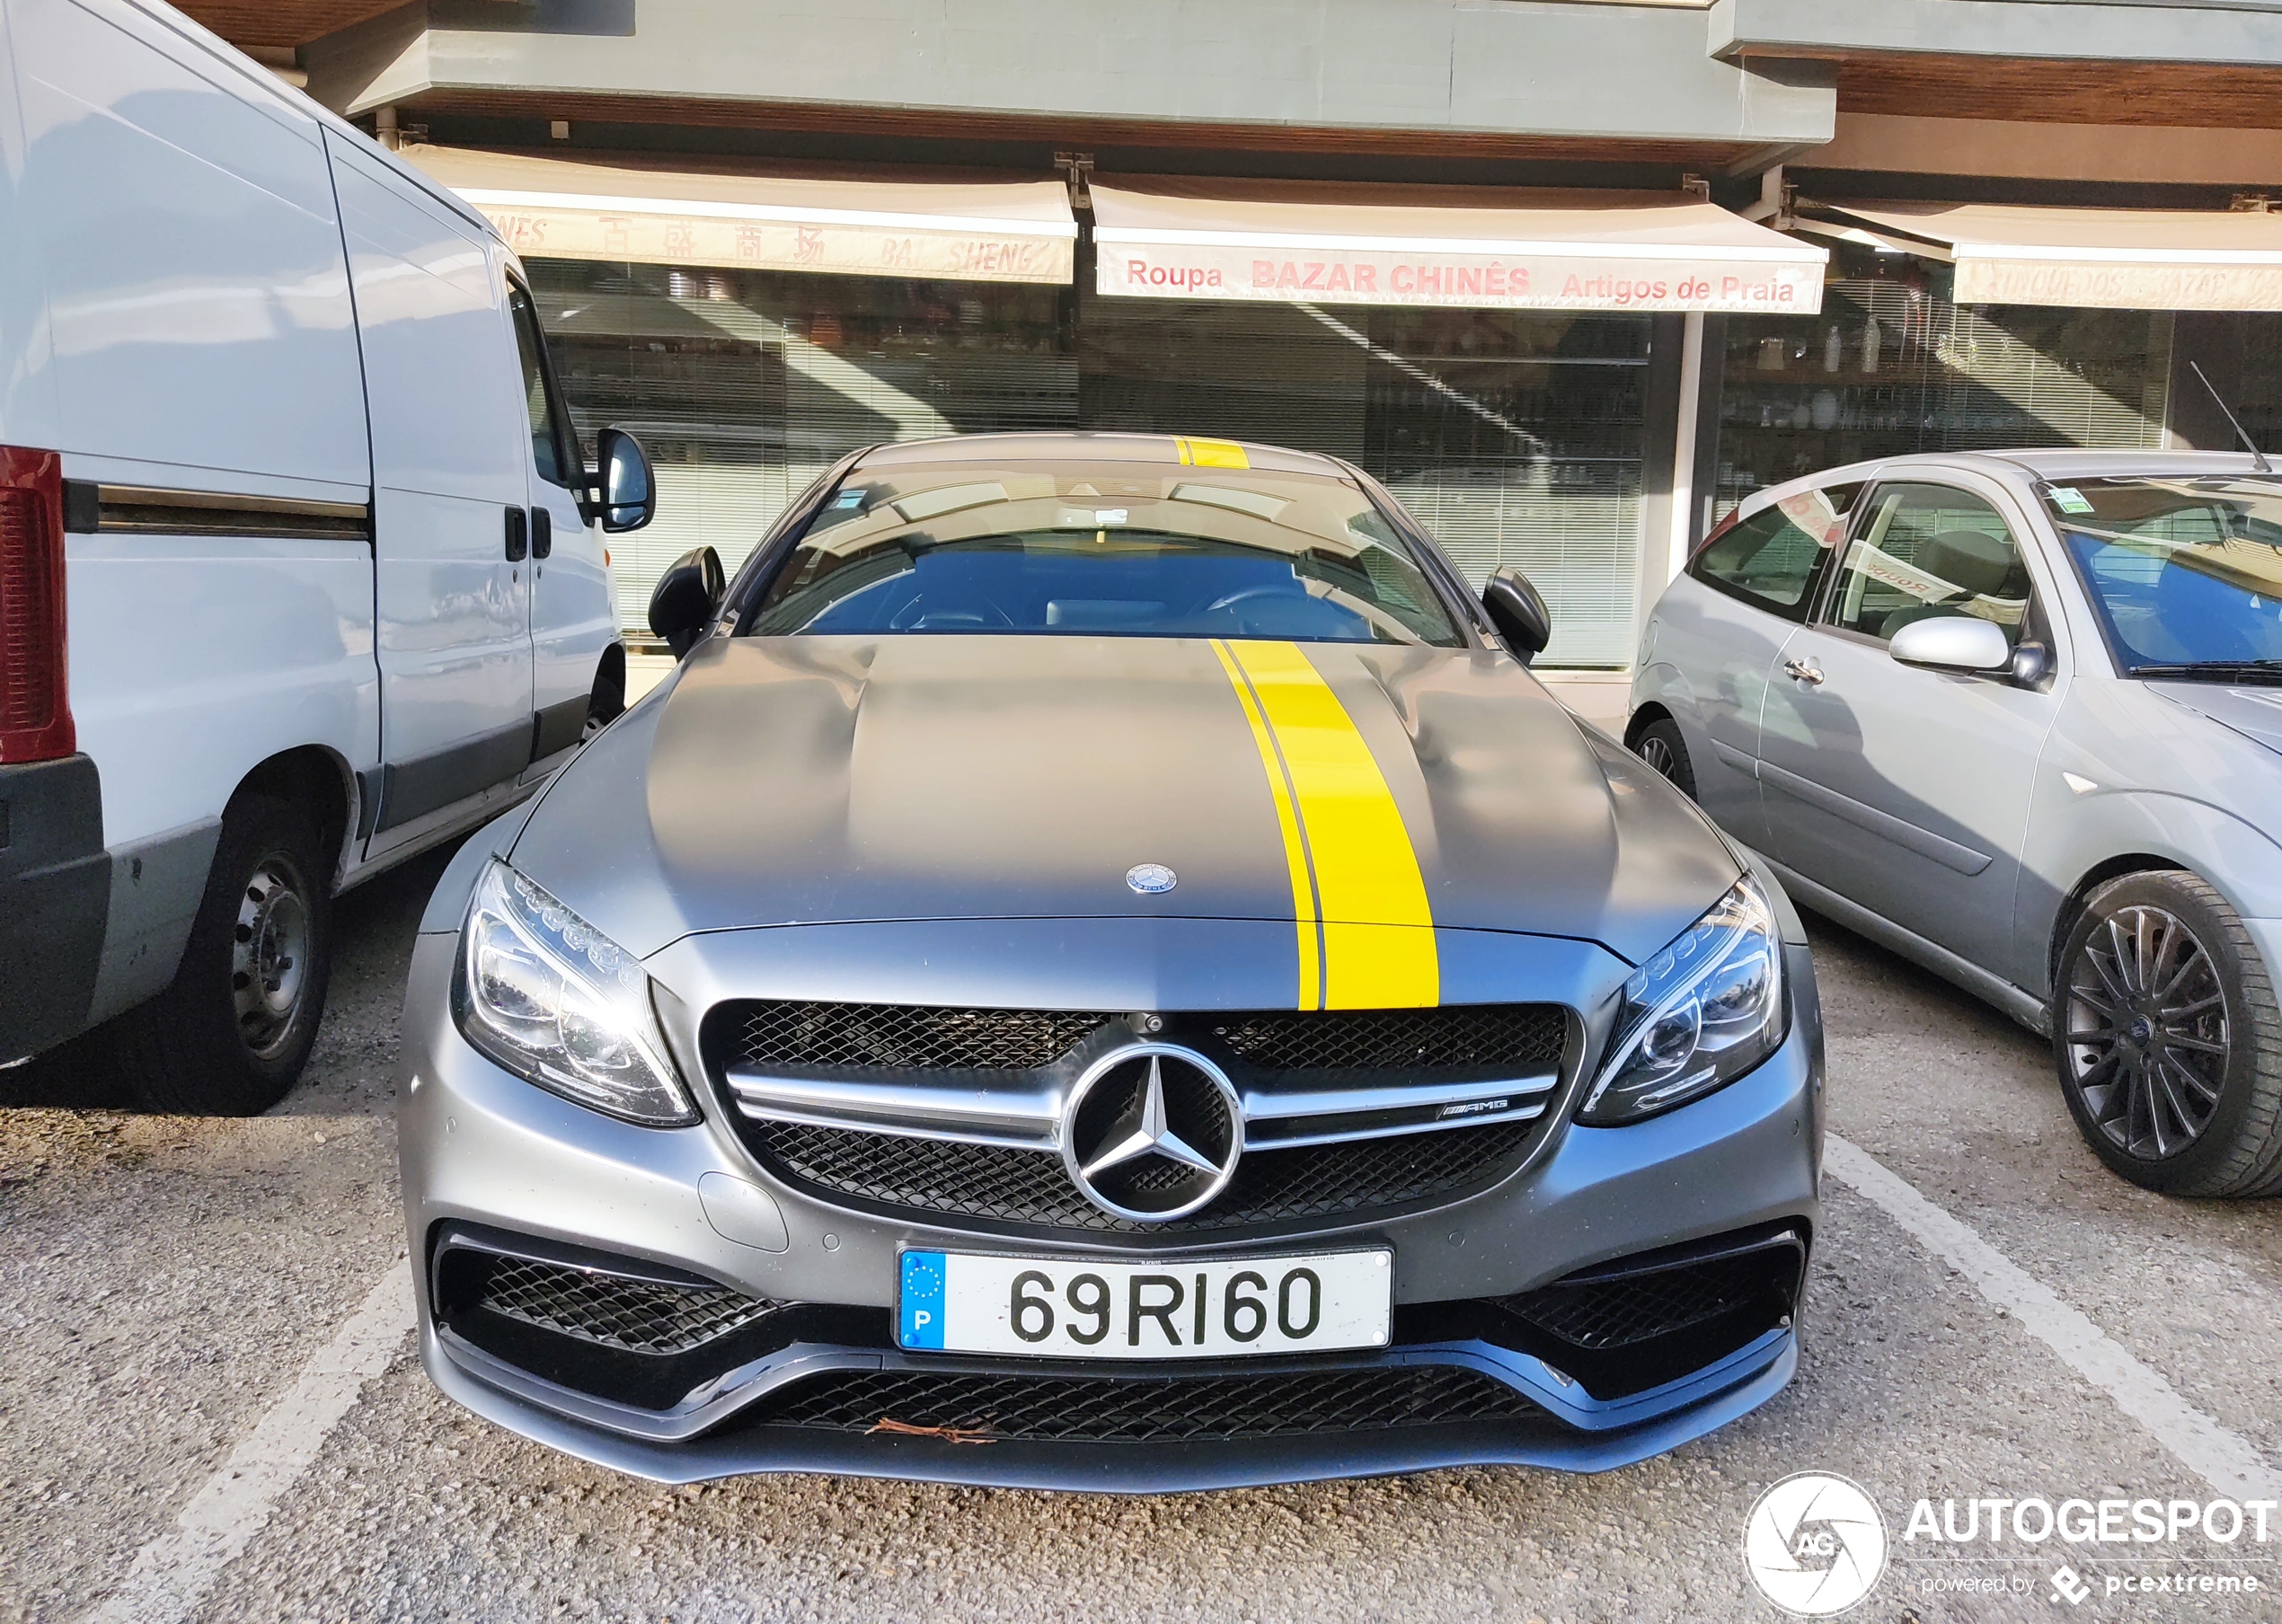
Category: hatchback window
[2186,574]
[1114,548]
[1774,557]
[1927,551]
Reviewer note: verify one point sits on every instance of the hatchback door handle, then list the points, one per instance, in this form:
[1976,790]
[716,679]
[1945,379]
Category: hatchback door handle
[1805,671]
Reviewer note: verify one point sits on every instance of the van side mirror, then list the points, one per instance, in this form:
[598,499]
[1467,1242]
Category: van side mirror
[1952,642]
[683,603]
[1518,612]
[626,494]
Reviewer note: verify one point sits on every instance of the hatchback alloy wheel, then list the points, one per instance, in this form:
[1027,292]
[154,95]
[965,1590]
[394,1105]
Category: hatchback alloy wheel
[2147,1032]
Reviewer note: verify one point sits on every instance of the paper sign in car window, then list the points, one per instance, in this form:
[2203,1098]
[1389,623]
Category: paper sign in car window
[1258,503]
[2069,500]
[949,499]
[1811,511]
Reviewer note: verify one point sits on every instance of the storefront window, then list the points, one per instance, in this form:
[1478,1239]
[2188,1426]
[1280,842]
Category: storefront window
[744,385]
[1515,437]
[1892,366]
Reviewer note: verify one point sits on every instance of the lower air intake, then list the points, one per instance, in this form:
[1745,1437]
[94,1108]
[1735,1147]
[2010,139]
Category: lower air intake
[1145,1409]
[611,1310]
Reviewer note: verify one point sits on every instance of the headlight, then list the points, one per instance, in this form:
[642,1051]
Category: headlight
[1698,1015]
[556,1001]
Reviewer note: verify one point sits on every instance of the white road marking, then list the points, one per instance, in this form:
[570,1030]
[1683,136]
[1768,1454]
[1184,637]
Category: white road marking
[2221,1458]
[173,1573]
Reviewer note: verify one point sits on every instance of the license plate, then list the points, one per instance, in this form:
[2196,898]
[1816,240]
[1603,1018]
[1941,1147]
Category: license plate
[971,1302]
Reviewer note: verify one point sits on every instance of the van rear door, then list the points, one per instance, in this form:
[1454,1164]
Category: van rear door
[450,495]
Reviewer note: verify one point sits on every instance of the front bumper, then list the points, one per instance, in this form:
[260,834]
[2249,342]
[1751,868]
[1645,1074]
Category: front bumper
[481,1148]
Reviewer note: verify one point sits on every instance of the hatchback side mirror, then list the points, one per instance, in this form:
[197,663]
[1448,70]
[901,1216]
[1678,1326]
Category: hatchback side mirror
[1953,642]
[626,492]
[1518,612]
[683,603]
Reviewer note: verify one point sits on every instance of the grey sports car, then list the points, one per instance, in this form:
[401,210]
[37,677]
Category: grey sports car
[2018,715]
[1103,968]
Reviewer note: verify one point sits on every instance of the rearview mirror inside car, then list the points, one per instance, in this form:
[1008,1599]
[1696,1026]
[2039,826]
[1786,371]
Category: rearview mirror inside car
[627,494]
[683,603]
[1953,642]
[1518,612]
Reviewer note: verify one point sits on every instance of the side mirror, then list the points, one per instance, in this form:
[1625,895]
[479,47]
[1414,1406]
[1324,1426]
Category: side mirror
[1952,642]
[1518,612]
[625,493]
[683,603]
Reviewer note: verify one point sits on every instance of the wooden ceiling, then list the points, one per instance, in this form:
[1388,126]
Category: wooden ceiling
[2062,93]
[280,24]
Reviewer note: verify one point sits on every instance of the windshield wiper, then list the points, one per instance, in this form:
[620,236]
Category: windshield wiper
[2217,671]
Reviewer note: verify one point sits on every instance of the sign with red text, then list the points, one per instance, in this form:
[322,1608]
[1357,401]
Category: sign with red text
[1534,281]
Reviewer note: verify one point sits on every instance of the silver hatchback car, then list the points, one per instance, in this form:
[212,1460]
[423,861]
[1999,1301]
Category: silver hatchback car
[2017,716]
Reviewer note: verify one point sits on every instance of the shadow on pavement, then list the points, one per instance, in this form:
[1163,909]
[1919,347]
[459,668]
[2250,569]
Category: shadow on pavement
[374,926]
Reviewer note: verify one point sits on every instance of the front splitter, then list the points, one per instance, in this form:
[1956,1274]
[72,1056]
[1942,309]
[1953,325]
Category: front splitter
[1682,1412]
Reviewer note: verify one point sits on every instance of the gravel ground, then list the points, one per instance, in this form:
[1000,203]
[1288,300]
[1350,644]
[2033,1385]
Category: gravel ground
[166,1278]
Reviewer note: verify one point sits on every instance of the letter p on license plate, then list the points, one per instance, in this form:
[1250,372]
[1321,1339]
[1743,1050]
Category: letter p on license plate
[1092,1309]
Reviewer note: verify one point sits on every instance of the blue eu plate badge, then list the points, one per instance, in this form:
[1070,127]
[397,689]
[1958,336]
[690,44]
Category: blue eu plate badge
[922,1299]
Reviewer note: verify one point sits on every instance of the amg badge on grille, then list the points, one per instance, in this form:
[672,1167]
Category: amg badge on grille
[1149,878]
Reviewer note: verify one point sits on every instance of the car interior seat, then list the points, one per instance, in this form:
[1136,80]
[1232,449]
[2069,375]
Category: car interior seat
[1982,565]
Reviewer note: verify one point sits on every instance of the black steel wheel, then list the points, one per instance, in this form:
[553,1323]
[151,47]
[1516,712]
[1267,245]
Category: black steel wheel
[2168,1041]
[231,1034]
[1661,745]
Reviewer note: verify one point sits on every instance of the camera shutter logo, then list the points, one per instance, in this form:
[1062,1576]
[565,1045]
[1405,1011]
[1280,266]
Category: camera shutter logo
[1815,1544]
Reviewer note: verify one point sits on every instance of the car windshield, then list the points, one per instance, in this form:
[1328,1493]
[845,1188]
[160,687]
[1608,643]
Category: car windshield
[1113,549]
[2186,573]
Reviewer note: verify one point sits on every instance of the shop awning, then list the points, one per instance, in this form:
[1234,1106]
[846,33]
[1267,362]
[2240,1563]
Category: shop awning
[1335,243]
[2129,259]
[963,231]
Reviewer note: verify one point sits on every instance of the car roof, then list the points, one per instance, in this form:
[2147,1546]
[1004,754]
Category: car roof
[1049,446]
[2046,465]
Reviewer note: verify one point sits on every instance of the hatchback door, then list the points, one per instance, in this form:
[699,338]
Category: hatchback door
[1720,630]
[1901,788]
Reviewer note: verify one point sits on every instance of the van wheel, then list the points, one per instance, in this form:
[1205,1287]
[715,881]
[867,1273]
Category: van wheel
[2168,1039]
[1661,745]
[230,1035]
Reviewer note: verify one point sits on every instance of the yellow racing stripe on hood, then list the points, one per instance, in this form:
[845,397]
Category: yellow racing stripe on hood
[1357,890]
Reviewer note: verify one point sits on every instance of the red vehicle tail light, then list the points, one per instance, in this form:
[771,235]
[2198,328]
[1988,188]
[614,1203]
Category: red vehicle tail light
[35,711]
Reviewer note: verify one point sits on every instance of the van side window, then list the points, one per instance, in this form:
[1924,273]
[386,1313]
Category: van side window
[547,448]
[1774,557]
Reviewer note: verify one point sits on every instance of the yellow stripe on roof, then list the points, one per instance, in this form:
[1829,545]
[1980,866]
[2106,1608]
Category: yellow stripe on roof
[1211,453]
[1354,873]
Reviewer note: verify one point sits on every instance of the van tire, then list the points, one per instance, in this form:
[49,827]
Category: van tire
[229,1036]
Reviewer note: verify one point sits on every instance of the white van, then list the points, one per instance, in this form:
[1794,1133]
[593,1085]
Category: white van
[301,568]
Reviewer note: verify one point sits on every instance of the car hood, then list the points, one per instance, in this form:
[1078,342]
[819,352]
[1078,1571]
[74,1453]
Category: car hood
[829,779]
[2255,713]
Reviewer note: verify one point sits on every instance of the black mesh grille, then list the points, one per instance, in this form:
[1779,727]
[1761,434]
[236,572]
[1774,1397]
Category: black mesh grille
[1638,1308]
[634,1315]
[899,1037]
[1141,1409]
[1032,1187]
[1524,1037]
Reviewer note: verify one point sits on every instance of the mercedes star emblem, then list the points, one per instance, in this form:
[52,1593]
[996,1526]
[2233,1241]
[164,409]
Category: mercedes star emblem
[1151,878]
[1152,1132]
